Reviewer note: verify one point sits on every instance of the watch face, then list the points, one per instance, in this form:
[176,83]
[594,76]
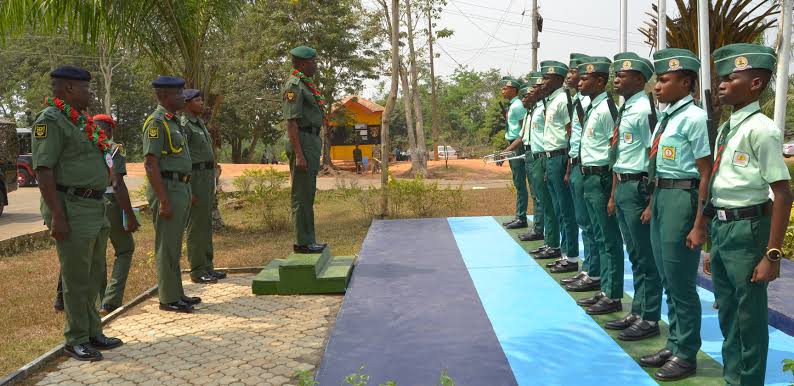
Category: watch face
[774,254]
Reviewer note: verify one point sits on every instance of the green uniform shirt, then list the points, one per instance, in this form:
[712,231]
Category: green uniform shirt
[515,113]
[576,126]
[634,136]
[198,139]
[119,162]
[526,127]
[555,134]
[598,129]
[685,140]
[538,126]
[162,138]
[300,104]
[750,161]
[63,147]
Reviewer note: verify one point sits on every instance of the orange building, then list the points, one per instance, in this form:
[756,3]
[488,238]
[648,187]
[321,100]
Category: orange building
[354,120]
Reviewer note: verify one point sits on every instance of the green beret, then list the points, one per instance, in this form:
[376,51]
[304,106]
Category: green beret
[303,52]
[675,59]
[512,82]
[629,61]
[743,56]
[535,78]
[553,67]
[524,90]
[575,60]
[594,64]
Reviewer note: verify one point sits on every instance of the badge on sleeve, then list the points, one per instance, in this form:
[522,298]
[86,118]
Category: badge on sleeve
[290,96]
[153,132]
[668,153]
[741,159]
[40,131]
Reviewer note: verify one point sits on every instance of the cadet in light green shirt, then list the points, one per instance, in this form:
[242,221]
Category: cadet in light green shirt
[530,100]
[747,230]
[515,114]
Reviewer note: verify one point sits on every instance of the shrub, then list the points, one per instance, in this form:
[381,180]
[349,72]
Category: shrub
[265,188]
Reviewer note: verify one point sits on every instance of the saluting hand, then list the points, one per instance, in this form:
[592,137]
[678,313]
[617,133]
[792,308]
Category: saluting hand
[766,271]
[60,228]
[165,210]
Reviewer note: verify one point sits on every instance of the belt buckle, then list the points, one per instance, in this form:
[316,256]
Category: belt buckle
[87,193]
[620,177]
[548,154]
[722,215]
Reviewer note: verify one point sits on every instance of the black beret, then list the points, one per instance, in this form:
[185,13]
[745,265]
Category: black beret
[191,93]
[71,72]
[164,81]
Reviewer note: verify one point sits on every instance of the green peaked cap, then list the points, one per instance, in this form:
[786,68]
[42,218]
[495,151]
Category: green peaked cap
[743,56]
[629,61]
[523,91]
[303,52]
[675,59]
[535,78]
[575,59]
[553,67]
[512,82]
[594,64]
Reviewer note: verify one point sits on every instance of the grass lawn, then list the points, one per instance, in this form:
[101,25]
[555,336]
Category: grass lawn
[30,326]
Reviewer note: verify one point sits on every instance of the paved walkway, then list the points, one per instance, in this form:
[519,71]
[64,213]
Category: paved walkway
[234,338]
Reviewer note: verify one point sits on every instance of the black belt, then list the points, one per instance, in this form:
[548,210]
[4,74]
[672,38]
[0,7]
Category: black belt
[669,183]
[95,194]
[736,214]
[590,170]
[555,153]
[539,154]
[176,176]
[626,177]
[204,165]
[575,161]
[310,130]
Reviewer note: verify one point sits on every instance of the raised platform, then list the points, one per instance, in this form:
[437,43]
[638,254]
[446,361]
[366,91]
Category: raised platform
[304,274]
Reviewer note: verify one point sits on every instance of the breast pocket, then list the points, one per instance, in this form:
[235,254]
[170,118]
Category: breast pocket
[670,148]
[176,140]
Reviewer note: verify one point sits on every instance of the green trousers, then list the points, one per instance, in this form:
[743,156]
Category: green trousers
[82,258]
[537,206]
[563,204]
[597,189]
[672,219]
[112,292]
[304,187]
[168,235]
[591,262]
[519,171]
[551,225]
[199,223]
[631,199]
[737,247]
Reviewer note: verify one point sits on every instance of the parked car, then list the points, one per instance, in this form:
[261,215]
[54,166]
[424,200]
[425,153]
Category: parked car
[788,149]
[447,152]
[9,150]
[25,175]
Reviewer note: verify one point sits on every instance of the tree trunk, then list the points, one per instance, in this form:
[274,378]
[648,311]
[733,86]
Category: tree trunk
[433,96]
[327,164]
[409,116]
[394,29]
[237,150]
[418,162]
[252,146]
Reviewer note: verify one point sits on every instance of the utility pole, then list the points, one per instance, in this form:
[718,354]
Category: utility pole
[783,56]
[535,43]
[661,26]
[704,47]
[624,25]
[433,97]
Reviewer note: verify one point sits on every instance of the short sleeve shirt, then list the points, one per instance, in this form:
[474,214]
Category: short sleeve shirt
[538,126]
[555,134]
[750,161]
[119,162]
[576,126]
[634,136]
[163,138]
[598,128]
[198,139]
[299,103]
[65,149]
[515,114]
[684,141]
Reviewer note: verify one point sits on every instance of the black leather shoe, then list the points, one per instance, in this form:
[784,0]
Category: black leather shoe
[657,359]
[555,263]
[106,309]
[675,369]
[605,306]
[518,224]
[179,306]
[584,284]
[83,352]
[531,236]
[192,300]
[565,266]
[205,278]
[217,274]
[551,253]
[103,342]
[641,329]
[539,249]
[569,280]
[622,323]
[587,302]
[311,248]
[506,223]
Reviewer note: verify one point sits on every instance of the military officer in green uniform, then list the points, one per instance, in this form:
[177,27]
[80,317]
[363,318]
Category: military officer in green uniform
[168,167]
[555,149]
[747,230]
[202,185]
[530,99]
[628,155]
[303,112]
[72,157]
[514,116]
[679,168]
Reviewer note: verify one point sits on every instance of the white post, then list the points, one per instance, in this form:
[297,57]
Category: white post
[624,25]
[535,43]
[783,56]
[661,27]
[705,50]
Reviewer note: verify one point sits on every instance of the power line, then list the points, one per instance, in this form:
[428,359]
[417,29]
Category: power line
[490,39]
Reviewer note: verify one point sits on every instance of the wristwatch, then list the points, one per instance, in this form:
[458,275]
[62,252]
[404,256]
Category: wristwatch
[774,254]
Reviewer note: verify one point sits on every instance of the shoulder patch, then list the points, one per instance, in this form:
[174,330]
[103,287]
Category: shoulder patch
[153,132]
[290,96]
[40,131]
